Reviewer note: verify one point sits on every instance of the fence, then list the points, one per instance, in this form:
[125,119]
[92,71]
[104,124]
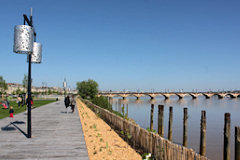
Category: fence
[149,142]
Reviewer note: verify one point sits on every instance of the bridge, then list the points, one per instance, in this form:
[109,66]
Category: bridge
[167,95]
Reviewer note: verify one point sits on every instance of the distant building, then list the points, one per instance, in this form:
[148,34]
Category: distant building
[13,87]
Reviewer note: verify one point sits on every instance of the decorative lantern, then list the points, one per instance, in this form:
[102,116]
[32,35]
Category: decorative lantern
[23,39]
[37,53]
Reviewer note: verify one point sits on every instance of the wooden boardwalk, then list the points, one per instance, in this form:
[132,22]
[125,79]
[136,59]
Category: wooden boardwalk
[55,135]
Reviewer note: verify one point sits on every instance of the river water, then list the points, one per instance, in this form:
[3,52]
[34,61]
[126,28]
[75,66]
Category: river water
[139,110]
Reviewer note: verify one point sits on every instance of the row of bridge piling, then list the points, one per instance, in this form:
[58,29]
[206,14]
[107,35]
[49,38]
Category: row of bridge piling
[203,123]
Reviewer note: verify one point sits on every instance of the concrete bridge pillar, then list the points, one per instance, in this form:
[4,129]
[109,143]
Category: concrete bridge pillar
[166,97]
[233,95]
[193,96]
[220,96]
[138,98]
[180,97]
[152,96]
[207,97]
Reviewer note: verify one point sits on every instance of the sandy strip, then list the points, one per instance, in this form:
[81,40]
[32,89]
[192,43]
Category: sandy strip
[102,142]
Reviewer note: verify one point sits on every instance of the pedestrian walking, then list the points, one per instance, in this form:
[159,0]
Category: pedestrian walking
[31,102]
[72,103]
[8,100]
[67,102]
[19,100]
[23,99]
[11,111]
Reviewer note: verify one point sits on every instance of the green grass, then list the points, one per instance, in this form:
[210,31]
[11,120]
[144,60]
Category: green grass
[37,103]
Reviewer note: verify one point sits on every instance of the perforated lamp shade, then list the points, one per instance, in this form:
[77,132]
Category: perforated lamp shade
[23,39]
[37,53]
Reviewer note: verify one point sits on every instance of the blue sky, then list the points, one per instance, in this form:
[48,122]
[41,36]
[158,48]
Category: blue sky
[128,44]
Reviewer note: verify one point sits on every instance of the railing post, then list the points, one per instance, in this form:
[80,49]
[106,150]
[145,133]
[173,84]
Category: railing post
[226,150]
[203,134]
[151,120]
[237,143]
[185,117]
[160,120]
[170,123]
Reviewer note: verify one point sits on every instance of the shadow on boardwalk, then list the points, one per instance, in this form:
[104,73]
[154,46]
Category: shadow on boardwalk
[12,126]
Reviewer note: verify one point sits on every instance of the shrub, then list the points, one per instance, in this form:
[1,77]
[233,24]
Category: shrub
[102,102]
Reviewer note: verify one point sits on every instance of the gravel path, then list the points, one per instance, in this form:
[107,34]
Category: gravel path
[102,142]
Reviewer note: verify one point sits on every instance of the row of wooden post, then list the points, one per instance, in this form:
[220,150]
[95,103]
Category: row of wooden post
[226,150]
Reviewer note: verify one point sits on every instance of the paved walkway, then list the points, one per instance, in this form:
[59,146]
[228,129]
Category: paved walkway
[55,135]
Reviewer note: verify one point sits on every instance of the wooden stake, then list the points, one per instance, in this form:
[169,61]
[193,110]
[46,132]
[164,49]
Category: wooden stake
[160,120]
[151,120]
[170,123]
[226,150]
[185,127]
[237,143]
[203,134]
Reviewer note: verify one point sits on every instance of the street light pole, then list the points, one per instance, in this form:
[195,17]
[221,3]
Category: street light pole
[29,119]
[25,43]
[29,106]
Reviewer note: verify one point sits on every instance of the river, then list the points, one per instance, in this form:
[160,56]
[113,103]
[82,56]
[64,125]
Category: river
[139,110]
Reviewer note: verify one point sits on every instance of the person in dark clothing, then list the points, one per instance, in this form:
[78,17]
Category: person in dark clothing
[67,102]
[72,103]
[31,102]
[23,99]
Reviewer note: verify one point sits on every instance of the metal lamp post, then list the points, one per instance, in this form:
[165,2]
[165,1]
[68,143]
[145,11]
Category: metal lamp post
[25,43]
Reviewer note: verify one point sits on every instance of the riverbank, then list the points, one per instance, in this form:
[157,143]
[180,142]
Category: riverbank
[103,142]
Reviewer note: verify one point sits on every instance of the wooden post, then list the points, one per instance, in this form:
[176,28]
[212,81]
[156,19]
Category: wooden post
[203,134]
[226,150]
[151,120]
[185,127]
[170,123]
[127,110]
[237,143]
[160,120]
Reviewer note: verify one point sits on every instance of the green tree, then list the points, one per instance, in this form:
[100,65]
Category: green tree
[25,82]
[102,102]
[3,85]
[87,89]
[18,91]
[49,91]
